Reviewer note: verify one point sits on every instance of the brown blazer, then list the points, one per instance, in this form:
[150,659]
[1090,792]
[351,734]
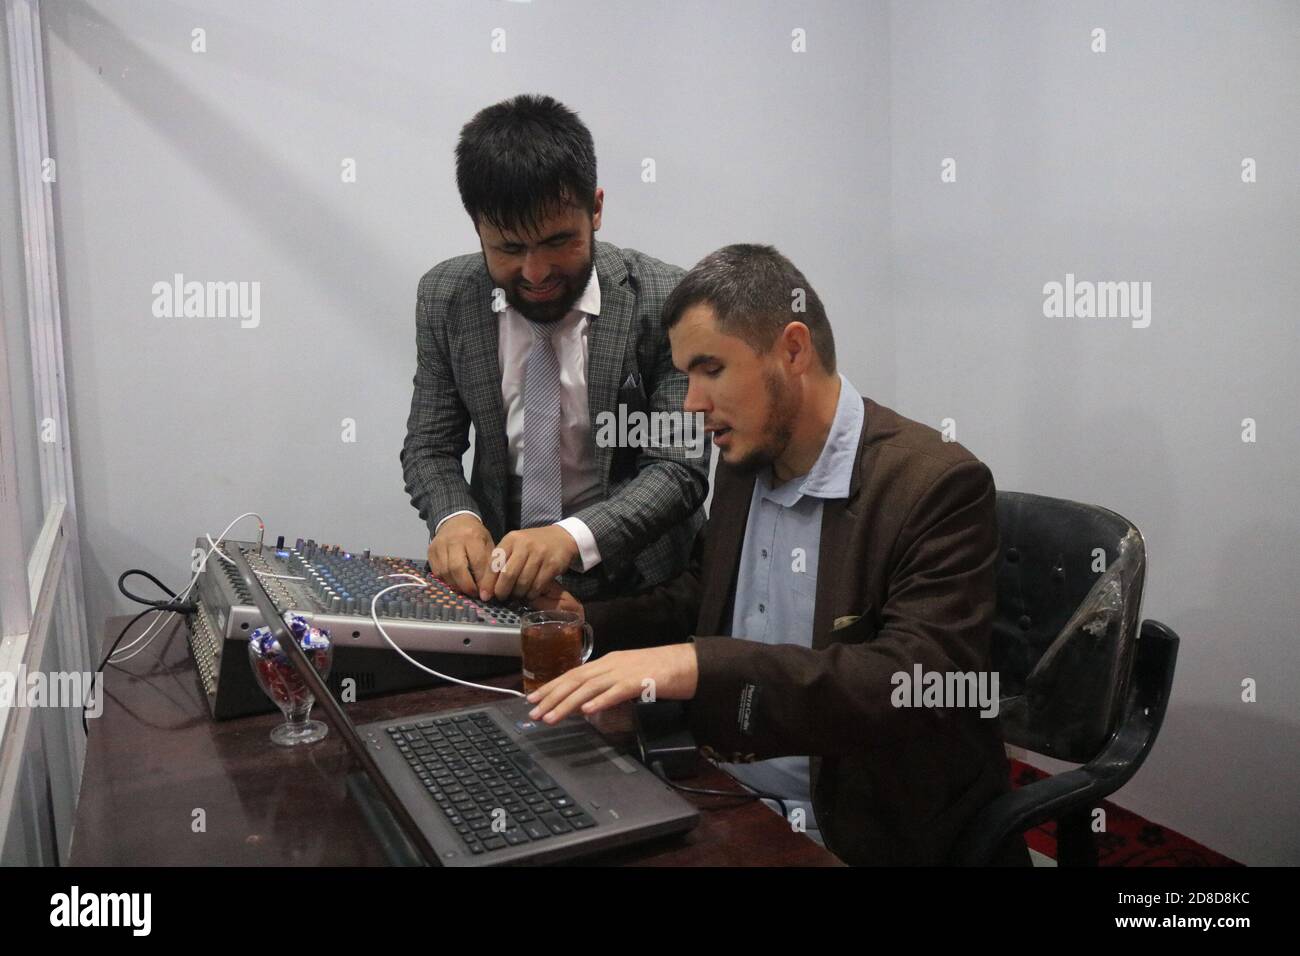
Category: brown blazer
[906,568]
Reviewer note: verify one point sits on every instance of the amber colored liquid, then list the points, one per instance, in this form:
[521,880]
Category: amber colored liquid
[549,649]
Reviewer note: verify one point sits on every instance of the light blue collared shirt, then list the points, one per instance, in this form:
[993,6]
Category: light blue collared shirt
[776,590]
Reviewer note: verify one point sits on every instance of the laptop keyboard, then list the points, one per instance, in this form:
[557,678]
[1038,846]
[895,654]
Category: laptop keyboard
[493,794]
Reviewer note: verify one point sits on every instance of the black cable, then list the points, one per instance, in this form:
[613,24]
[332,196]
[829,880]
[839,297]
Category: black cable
[748,794]
[175,604]
[104,662]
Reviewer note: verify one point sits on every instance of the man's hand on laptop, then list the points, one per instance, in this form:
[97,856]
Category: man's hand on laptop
[461,552]
[671,672]
[526,562]
[615,720]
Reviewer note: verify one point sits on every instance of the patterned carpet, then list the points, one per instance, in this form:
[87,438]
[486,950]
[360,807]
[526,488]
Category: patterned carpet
[1129,840]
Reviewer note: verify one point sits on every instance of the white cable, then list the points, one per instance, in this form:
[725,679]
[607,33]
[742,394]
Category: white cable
[374,616]
[260,574]
[221,554]
[186,592]
[160,615]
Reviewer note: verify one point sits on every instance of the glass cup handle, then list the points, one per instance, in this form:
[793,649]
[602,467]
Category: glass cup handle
[588,641]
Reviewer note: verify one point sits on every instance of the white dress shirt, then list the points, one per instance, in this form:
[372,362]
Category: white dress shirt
[581,480]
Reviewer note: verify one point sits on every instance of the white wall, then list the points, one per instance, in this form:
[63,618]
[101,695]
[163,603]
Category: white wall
[225,166]
[1127,166]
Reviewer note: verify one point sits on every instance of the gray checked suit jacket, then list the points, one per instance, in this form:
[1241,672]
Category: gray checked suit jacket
[647,522]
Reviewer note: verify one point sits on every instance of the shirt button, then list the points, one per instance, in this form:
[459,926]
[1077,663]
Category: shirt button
[762,609]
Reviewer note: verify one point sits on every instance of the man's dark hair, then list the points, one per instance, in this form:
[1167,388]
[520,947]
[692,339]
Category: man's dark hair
[522,159]
[752,291]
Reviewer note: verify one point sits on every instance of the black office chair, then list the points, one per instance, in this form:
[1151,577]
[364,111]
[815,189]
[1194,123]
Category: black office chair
[1082,677]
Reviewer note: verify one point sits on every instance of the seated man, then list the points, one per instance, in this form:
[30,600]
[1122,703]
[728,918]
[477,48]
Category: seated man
[846,546]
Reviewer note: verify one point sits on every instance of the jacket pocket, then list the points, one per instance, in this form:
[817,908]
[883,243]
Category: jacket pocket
[854,628]
[631,394]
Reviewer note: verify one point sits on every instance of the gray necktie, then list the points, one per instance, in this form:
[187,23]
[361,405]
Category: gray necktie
[542,492]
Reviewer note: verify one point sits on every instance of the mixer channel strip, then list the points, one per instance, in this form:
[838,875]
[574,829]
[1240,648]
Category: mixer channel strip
[345,583]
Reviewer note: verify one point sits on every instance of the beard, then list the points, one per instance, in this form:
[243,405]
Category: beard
[555,309]
[778,427]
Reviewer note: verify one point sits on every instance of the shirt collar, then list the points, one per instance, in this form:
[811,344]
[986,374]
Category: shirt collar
[831,475]
[589,301]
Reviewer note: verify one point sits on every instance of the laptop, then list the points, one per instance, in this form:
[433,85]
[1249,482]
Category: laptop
[488,786]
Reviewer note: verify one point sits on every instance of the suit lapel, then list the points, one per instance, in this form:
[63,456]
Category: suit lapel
[479,329]
[836,524]
[606,345]
[728,517]
[839,518]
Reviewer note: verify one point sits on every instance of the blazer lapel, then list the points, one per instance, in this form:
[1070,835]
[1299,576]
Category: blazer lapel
[479,328]
[836,524]
[728,517]
[839,517]
[606,345]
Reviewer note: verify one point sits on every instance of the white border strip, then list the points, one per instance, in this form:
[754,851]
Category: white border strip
[31,133]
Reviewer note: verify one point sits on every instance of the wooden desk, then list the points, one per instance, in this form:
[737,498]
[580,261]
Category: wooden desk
[154,757]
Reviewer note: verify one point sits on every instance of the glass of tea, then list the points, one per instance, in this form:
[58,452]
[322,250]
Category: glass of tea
[552,642]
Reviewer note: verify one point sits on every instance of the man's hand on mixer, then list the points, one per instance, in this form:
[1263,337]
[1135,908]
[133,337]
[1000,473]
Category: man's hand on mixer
[526,562]
[461,552]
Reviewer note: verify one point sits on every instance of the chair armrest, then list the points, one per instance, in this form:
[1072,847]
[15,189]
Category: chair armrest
[1110,769]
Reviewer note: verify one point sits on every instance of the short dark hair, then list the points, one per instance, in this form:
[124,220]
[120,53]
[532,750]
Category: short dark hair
[523,158]
[751,290]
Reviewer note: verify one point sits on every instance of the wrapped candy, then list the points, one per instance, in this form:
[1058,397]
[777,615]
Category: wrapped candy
[275,670]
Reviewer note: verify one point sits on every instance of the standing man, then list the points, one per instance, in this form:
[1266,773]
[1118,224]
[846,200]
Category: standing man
[532,340]
[847,545]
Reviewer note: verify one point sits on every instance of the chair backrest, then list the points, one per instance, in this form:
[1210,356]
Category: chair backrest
[1069,585]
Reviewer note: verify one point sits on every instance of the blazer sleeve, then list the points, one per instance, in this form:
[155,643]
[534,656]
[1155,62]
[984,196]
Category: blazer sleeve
[783,699]
[664,614]
[669,484]
[437,429]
